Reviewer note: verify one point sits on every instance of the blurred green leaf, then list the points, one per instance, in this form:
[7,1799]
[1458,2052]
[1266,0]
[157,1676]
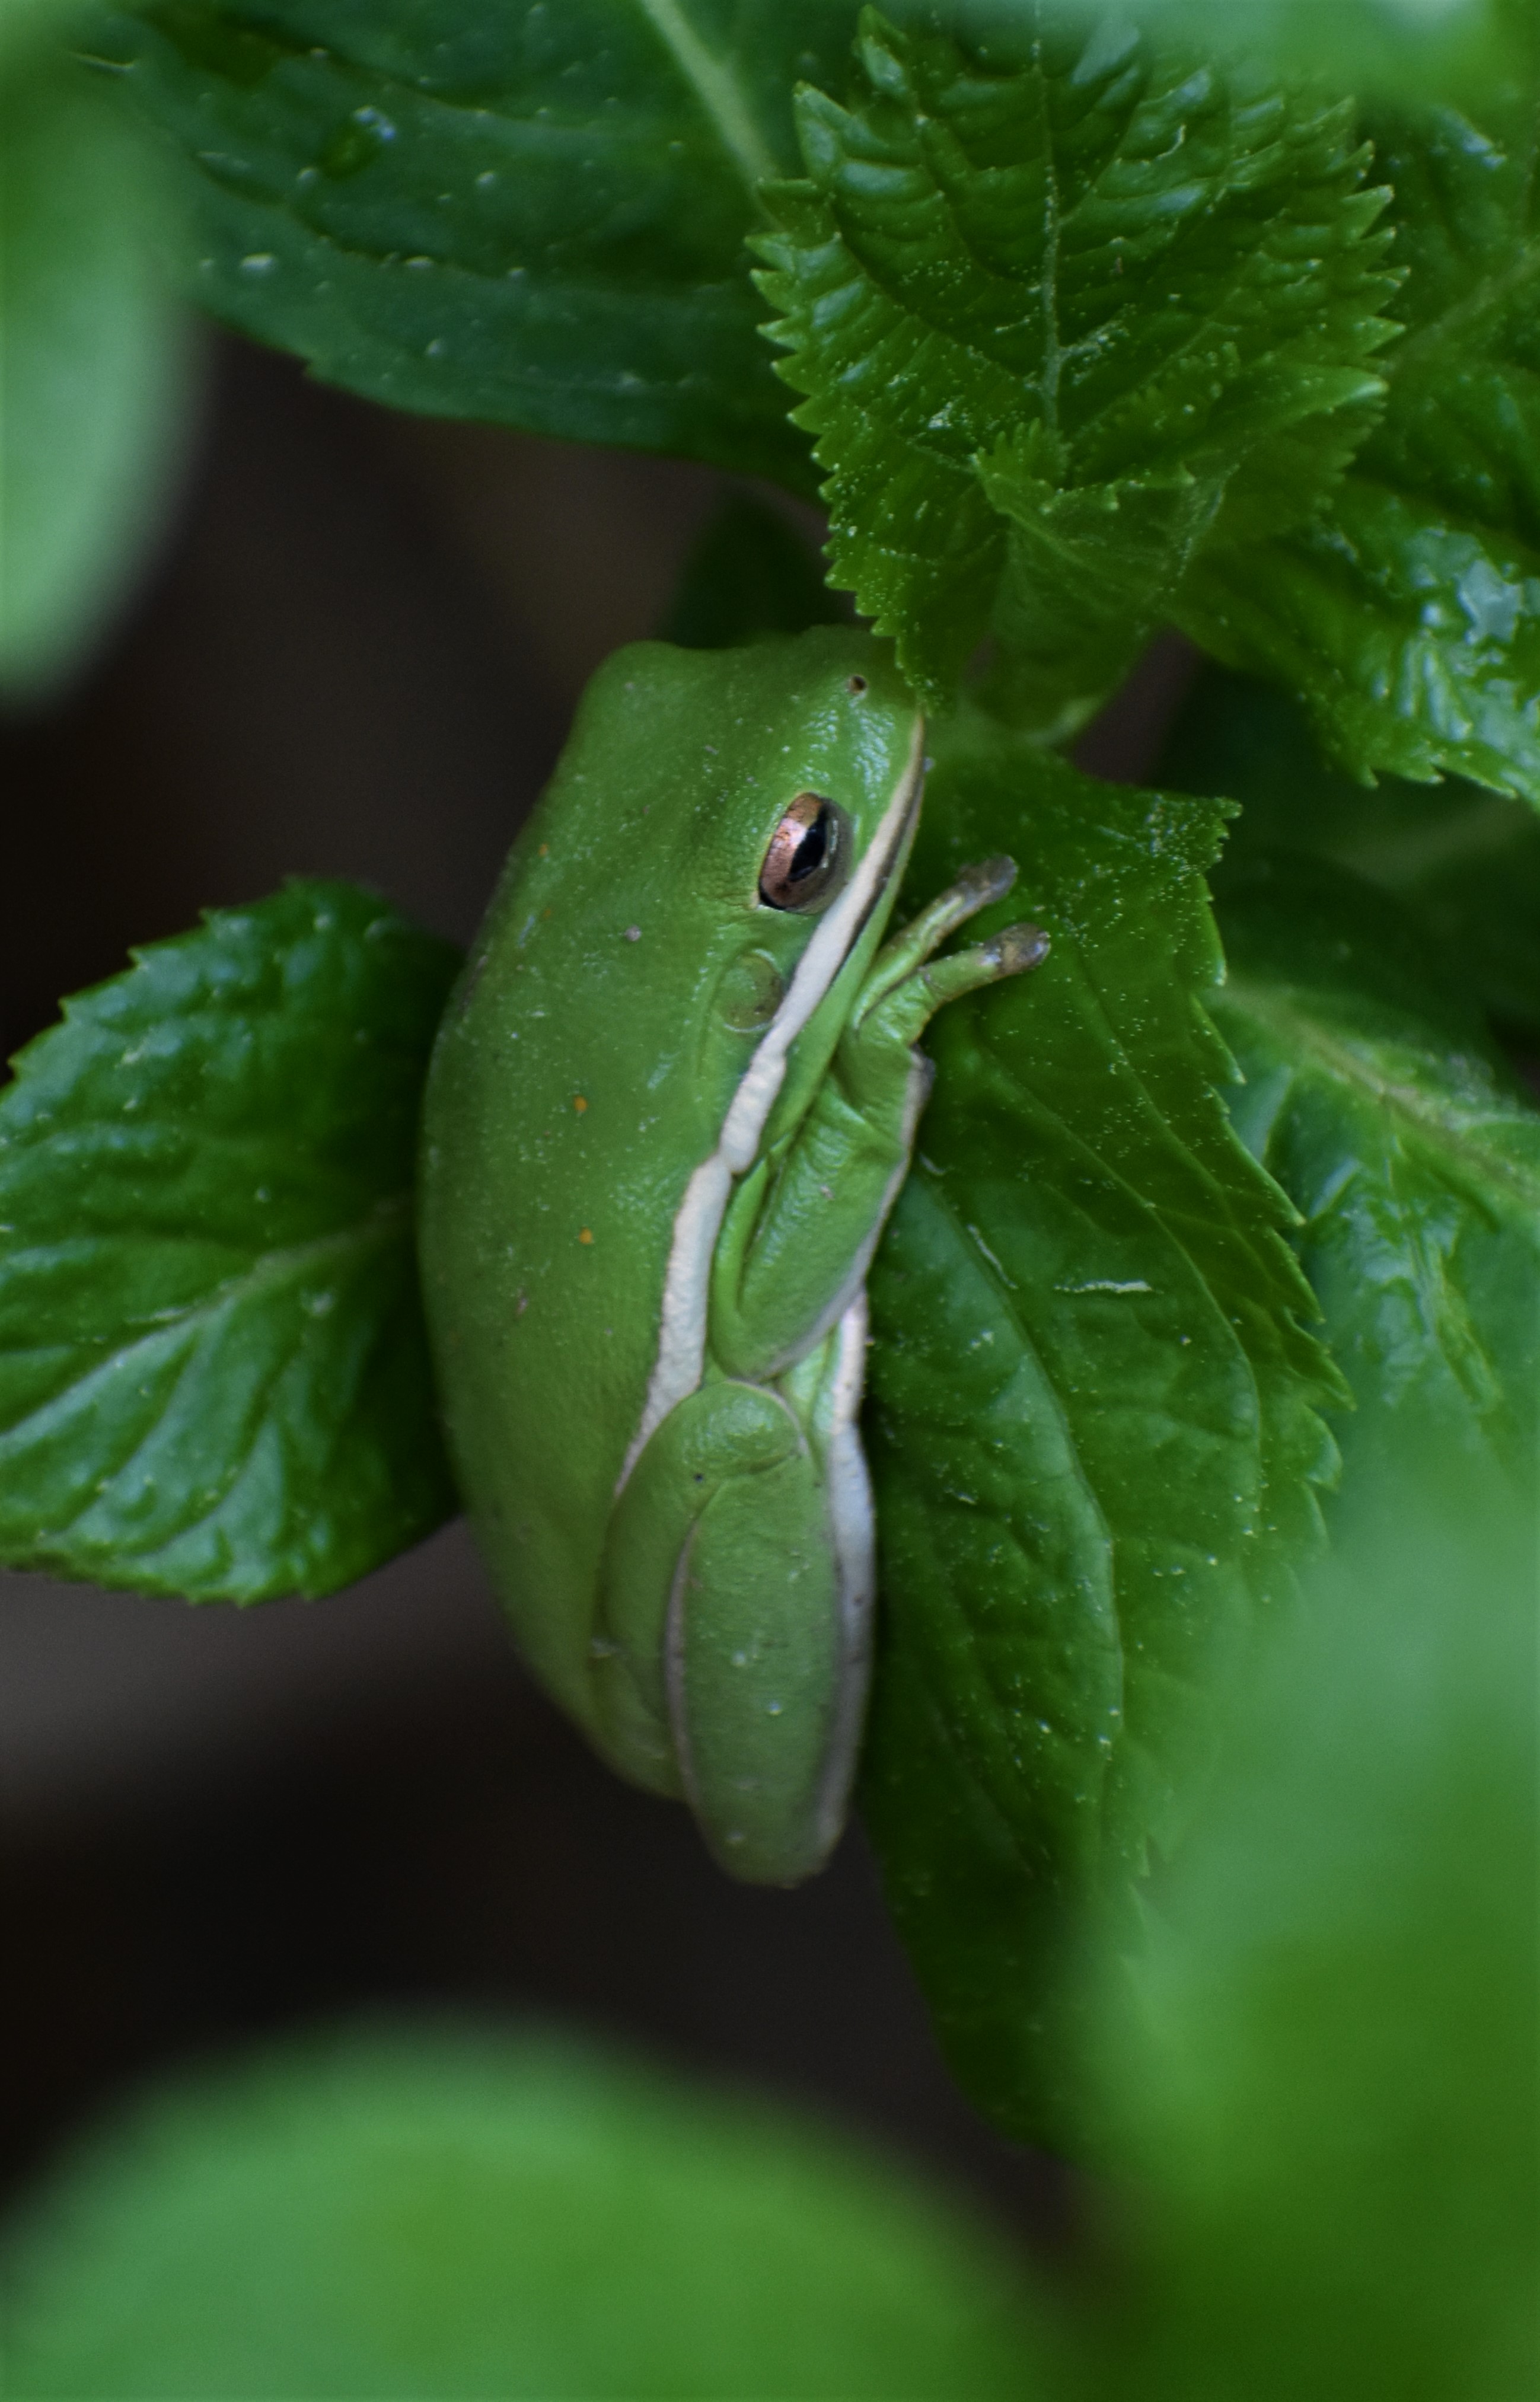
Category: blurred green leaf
[531,215]
[1065,308]
[214,1371]
[93,363]
[1094,1417]
[1467,859]
[451,2216]
[1329,2085]
[1376,1098]
[750,572]
[1407,617]
[1428,49]
[26,26]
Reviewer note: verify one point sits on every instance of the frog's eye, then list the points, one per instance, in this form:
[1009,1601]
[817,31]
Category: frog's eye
[809,854]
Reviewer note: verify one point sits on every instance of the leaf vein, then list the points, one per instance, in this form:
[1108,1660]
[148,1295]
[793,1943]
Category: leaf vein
[712,84]
[1300,1033]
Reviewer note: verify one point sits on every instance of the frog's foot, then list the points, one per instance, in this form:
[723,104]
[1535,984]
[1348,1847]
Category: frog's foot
[908,984]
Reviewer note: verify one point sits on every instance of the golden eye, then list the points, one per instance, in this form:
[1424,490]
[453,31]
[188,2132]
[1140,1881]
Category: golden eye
[808,855]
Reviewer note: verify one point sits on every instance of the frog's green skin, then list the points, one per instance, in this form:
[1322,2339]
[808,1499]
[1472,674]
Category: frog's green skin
[664,1124]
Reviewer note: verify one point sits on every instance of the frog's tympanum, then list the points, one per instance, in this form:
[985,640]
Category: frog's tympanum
[672,1104]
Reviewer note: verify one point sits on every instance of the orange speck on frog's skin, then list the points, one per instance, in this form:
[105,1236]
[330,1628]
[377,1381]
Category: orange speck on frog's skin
[579,1104]
[584,1234]
[544,850]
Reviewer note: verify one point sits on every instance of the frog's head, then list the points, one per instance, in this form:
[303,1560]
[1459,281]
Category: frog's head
[746,815]
[796,847]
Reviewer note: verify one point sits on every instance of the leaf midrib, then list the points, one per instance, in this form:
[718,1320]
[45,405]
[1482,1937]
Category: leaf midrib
[1302,1036]
[717,89]
[269,1269]
[1217,313]
[273,1268]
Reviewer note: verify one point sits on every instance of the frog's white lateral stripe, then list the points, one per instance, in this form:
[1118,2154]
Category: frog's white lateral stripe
[682,1332]
[820,963]
[855,1525]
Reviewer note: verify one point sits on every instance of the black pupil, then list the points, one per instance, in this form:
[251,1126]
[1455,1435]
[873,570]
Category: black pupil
[811,851]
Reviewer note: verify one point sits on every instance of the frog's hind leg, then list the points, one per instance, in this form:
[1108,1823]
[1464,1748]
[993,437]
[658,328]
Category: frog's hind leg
[854,1525]
[732,1643]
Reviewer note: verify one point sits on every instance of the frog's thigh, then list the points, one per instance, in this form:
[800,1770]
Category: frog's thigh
[720,1662]
[722,1432]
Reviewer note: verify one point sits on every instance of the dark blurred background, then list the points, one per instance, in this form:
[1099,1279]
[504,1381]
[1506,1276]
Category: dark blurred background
[356,653]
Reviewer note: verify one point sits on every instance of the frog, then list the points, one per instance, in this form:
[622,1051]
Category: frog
[670,1105]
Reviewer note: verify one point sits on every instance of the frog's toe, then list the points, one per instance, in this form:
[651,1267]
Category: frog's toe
[1014,950]
[986,880]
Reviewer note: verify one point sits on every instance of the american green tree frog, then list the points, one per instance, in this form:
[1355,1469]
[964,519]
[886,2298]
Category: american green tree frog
[670,1108]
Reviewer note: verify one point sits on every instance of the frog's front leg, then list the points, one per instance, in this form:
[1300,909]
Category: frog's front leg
[732,1633]
[803,1224]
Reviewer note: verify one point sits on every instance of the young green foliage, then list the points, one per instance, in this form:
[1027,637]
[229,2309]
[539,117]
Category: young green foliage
[1093,1423]
[213,1375]
[1407,617]
[1066,308]
[94,364]
[1374,1095]
[1327,2090]
[532,216]
[1466,860]
[1367,932]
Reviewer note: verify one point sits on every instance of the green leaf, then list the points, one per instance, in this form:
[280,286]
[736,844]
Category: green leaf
[26,27]
[1427,49]
[531,215]
[93,365]
[1374,1095]
[214,1372]
[460,2215]
[1093,1420]
[1065,308]
[1407,617]
[1329,2086]
[749,574]
[1466,858]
